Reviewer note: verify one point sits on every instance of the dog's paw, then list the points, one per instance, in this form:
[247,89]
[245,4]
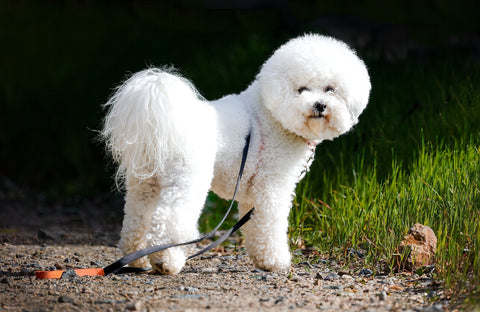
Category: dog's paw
[272,266]
[140,263]
[279,262]
[130,248]
[169,261]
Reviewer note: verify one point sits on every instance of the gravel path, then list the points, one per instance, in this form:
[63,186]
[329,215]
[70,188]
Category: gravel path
[216,282]
[37,234]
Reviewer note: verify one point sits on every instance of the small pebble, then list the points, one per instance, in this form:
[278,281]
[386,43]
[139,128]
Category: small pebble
[65,299]
[306,263]
[365,272]
[335,287]
[332,277]
[188,296]
[69,274]
[188,288]
[135,306]
[437,307]
[355,253]
[280,299]
[209,270]
[8,280]
[382,296]
[26,271]
[96,263]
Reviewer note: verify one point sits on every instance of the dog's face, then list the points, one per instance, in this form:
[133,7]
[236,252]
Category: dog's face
[315,86]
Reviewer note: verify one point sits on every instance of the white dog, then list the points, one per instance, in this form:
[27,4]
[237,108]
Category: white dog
[173,146]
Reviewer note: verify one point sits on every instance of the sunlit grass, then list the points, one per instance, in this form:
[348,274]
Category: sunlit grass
[413,158]
[405,163]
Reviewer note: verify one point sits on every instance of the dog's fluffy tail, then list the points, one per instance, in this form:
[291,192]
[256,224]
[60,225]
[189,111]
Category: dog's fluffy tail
[144,121]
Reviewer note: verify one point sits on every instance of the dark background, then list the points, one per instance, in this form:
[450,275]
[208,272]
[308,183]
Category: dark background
[60,60]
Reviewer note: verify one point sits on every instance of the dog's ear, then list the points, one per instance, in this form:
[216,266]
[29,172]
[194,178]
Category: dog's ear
[272,90]
[358,91]
[275,79]
[355,83]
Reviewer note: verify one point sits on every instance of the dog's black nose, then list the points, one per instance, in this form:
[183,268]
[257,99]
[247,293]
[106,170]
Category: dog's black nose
[319,107]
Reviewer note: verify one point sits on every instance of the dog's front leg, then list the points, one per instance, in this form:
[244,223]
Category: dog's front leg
[266,235]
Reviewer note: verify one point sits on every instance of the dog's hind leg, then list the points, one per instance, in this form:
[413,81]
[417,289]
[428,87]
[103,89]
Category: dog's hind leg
[175,218]
[141,199]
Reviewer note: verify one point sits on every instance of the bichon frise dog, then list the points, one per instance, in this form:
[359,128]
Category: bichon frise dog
[173,146]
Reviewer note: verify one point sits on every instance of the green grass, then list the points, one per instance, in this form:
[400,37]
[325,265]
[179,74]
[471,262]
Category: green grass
[414,157]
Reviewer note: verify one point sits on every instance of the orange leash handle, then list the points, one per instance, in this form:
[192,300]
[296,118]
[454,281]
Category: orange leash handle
[58,273]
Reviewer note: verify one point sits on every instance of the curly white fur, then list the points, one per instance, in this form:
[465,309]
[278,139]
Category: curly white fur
[173,146]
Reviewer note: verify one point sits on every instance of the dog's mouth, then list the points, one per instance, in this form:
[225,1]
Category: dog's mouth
[316,116]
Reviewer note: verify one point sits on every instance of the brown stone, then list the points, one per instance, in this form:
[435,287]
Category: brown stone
[417,249]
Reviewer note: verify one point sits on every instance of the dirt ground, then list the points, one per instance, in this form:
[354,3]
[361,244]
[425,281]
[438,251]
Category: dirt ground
[40,234]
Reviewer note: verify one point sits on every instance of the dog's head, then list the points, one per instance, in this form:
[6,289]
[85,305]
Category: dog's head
[315,86]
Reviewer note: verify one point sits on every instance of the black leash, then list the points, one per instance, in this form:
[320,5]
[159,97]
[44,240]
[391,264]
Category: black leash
[118,266]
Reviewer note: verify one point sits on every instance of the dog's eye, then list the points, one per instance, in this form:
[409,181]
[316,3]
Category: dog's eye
[329,89]
[302,89]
